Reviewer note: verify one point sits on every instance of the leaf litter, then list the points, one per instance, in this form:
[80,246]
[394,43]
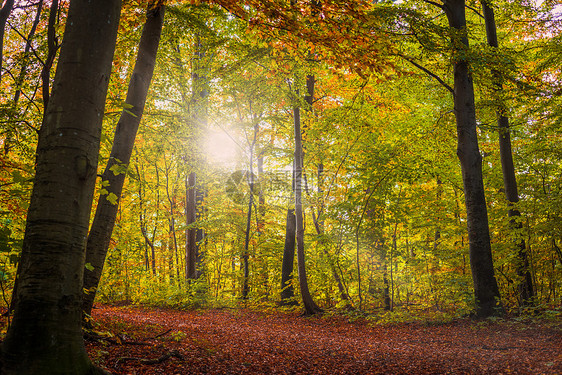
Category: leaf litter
[166,341]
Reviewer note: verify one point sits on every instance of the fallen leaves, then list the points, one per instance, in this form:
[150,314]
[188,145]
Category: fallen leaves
[249,342]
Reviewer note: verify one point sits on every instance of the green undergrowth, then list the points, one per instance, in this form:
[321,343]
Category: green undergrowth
[196,296]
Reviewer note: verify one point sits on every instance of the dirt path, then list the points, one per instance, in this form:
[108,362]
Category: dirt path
[246,342]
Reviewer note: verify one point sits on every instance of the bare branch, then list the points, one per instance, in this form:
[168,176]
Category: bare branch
[441,6]
[474,10]
[428,72]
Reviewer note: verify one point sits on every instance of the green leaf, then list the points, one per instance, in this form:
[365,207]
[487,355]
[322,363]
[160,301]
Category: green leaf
[89,267]
[112,198]
[118,169]
[129,112]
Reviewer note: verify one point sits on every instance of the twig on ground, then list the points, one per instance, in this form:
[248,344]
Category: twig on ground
[118,341]
[160,335]
[145,361]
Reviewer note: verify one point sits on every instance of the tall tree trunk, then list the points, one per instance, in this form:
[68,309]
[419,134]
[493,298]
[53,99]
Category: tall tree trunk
[310,306]
[287,290]
[199,99]
[246,255]
[318,222]
[24,62]
[52,52]
[191,233]
[485,286]
[200,241]
[46,333]
[261,196]
[143,222]
[26,53]
[318,225]
[123,142]
[5,12]
[525,282]
[172,239]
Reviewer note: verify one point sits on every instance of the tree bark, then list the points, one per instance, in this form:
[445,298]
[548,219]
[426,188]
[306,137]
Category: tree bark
[199,103]
[251,182]
[485,286]
[46,333]
[123,142]
[191,233]
[525,282]
[287,290]
[246,255]
[310,306]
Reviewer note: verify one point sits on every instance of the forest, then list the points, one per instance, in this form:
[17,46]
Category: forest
[392,161]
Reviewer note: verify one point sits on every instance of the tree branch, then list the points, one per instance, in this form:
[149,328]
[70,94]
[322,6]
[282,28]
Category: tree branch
[474,10]
[434,3]
[428,72]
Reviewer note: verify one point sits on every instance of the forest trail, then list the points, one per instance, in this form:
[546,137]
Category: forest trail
[250,342]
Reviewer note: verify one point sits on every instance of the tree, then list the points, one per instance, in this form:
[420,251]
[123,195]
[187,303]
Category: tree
[310,306]
[5,12]
[287,290]
[194,192]
[49,289]
[114,174]
[485,286]
[525,283]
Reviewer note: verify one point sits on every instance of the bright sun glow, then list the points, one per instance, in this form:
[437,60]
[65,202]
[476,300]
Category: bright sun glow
[221,149]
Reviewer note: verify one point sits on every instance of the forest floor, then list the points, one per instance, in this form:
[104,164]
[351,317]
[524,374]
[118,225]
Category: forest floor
[142,340]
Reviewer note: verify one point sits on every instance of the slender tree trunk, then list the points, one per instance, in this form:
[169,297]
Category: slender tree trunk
[200,241]
[310,306]
[172,243]
[26,54]
[4,14]
[318,225]
[176,255]
[191,233]
[46,333]
[386,289]
[52,52]
[261,196]
[436,238]
[393,251]
[525,282]
[485,286]
[287,290]
[143,222]
[25,60]
[245,255]
[199,103]
[318,222]
[123,142]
